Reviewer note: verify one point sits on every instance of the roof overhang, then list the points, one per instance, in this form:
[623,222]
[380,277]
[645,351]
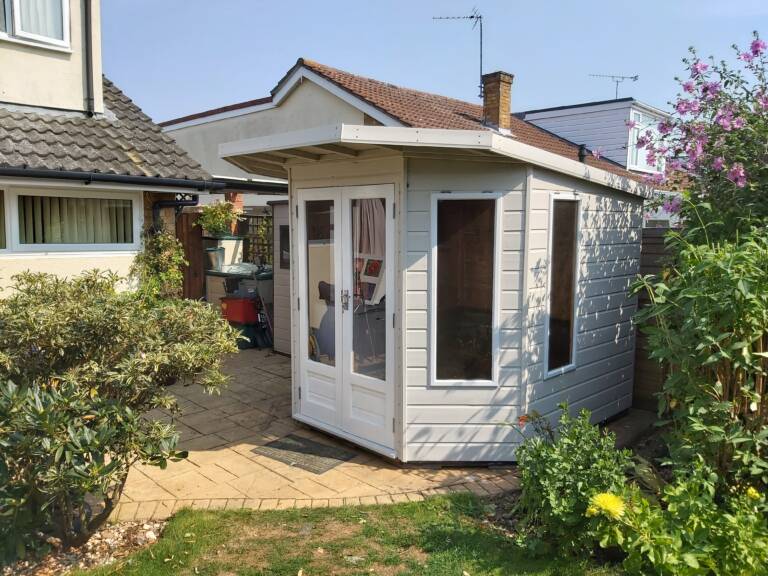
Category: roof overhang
[272,155]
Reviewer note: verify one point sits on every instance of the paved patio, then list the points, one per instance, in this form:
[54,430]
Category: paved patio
[222,471]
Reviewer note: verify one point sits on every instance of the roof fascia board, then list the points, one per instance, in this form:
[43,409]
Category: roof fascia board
[294,139]
[576,110]
[219,116]
[302,72]
[650,109]
[24,182]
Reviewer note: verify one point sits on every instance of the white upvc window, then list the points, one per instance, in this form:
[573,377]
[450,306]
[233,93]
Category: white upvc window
[464,295]
[637,156]
[37,21]
[561,320]
[61,220]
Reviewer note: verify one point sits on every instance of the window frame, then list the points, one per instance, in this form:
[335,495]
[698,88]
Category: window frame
[12,220]
[573,364]
[644,122]
[6,217]
[434,382]
[15,33]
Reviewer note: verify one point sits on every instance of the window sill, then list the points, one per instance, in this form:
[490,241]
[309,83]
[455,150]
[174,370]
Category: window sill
[52,47]
[70,253]
[438,384]
[560,371]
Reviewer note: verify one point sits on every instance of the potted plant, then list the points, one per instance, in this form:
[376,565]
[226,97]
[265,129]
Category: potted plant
[217,219]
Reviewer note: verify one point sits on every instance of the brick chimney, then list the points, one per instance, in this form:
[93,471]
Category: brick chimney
[497,100]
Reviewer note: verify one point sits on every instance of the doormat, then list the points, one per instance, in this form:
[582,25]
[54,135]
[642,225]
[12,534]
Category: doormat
[305,453]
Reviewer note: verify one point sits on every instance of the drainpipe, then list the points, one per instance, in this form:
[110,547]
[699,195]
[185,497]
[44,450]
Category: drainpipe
[157,205]
[90,104]
[582,152]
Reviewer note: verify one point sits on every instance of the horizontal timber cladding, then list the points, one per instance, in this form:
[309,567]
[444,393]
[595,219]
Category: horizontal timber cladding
[462,423]
[609,259]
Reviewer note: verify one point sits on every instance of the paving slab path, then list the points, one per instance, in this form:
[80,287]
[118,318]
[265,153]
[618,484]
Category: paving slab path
[223,471]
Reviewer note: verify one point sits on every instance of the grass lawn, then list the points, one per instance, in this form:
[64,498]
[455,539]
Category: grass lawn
[439,537]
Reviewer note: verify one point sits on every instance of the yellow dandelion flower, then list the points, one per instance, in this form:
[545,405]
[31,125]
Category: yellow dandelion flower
[753,494]
[609,504]
[592,511]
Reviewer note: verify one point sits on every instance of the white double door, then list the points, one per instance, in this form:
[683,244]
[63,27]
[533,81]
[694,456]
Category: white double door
[346,310]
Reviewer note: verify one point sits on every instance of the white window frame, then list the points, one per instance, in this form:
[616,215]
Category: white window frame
[7,216]
[651,124]
[567,197]
[12,220]
[497,248]
[15,32]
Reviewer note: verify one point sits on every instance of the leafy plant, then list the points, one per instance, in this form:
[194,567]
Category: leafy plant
[692,532]
[81,363]
[217,218]
[159,268]
[560,470]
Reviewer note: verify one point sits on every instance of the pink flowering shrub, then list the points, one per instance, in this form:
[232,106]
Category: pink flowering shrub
[714,148]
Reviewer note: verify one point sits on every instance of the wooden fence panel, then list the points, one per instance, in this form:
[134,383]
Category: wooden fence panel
[649,374]
[191,238]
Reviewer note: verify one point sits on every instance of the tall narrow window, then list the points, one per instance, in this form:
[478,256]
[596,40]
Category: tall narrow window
[562,283]
[464,284]
[321,300]
[4,13]
[2,220]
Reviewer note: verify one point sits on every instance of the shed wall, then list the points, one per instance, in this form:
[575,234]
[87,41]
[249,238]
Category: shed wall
[609,259]
[458,423]
[282,279]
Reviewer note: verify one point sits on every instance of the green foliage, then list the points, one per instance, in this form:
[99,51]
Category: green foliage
[80,365]
[708,321]
[693,531]
[559,471]
[159,267]
[217,218]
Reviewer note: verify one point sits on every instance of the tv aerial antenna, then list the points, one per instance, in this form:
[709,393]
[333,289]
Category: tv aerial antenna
[477,22]
[618,79]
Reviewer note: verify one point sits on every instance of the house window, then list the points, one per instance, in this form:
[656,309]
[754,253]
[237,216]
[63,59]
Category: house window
[285,247]
[45,21]
[637,156]
[563,258]
[463,284]
[3,241]
[46,221]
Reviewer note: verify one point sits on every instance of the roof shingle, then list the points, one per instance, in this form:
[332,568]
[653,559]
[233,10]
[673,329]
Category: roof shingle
[128,143]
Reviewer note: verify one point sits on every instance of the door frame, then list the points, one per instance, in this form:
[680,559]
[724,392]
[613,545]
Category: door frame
[342,195]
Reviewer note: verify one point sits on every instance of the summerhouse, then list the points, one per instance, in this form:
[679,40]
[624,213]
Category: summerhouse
[452,267]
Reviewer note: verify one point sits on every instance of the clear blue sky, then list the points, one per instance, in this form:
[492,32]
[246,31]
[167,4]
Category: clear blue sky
[176,57]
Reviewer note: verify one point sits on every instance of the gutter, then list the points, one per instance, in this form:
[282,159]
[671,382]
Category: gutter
[89,99]
[90,177]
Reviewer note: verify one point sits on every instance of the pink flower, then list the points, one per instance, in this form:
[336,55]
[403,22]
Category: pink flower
[724,117]
[689,86]
[738,123]
[746,57]
[758,46]
[665,127]
[762,100]
[630,124]
[718,163]
[650,158]
[711,89]
[673,205]
[597,153]
[737,175]
[697,68]
[642,141]
[657,178]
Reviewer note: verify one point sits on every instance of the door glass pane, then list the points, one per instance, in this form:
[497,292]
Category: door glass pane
[320,281]
[368,302]
[563,283]
[464,315]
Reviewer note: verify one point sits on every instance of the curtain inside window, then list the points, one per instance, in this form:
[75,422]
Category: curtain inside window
[3,17]
[42,17]
[54,220]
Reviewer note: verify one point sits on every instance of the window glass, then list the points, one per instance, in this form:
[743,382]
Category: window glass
[42,18]
[285,247]
[61,220]
[2,221]
[562,283]
[320,281]
[3,16]
[464,281]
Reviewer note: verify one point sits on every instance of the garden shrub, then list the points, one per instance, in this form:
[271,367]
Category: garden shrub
[81,363]
[159,268]
[217,218]
[560,470]
[692,532]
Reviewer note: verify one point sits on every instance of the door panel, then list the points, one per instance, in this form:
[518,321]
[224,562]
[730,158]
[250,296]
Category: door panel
[346,253]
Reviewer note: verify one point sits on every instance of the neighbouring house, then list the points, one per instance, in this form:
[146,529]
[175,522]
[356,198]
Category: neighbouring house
[82,169]
[610,127]
[452,266]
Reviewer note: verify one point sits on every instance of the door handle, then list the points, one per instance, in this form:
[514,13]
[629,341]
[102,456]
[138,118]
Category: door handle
[345,299]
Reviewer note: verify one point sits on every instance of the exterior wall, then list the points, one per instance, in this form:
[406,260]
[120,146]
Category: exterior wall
[460,423]
[40,75]
[281,317]
[609,258]
[599,127]
[308,106]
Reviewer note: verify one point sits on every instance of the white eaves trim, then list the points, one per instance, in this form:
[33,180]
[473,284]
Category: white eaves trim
[294,80]
[432,138]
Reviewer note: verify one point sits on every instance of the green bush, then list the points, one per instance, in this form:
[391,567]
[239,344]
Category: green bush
[691,532]
[159,268]
[80,364]
[217,218]
[559,472]
[708,321]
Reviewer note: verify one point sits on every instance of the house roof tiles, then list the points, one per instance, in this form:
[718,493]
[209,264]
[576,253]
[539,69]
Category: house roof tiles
[123,141]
